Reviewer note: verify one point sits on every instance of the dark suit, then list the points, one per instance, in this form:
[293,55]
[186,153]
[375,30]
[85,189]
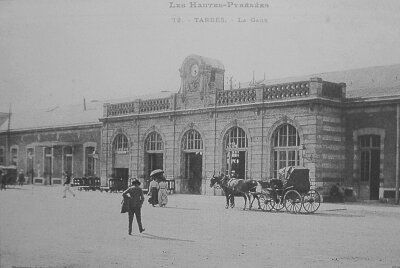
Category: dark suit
[136,199]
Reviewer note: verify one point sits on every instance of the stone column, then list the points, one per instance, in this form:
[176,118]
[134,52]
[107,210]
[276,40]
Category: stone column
[315,87]
[259,94]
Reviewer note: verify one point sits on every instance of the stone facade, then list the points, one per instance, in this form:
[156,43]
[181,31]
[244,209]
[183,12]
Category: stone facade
[313,108]
[371,119]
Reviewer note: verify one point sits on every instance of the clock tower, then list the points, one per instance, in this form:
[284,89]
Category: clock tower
[201,76]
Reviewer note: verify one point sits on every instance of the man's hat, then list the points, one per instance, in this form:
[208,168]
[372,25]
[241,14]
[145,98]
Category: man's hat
[135,182]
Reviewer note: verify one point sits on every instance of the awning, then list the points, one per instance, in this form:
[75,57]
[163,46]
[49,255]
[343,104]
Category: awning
[54,143]
[8,167]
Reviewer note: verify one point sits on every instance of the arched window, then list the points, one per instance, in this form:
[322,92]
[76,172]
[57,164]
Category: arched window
[236,138]
[286,147]
[154,142]
[192,140]
[120,143]
[154,152]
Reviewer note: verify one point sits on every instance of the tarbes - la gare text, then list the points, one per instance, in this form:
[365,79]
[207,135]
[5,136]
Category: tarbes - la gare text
[218,5]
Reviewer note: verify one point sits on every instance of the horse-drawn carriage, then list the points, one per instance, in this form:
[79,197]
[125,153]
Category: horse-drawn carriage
[292,191]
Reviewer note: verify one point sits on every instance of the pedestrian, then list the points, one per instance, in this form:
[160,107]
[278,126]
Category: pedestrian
[67,184]
[136,199]
[153,190]
[21,177]
[162,192]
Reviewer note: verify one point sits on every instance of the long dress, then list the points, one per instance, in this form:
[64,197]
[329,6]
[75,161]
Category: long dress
[162,193]
[153,190]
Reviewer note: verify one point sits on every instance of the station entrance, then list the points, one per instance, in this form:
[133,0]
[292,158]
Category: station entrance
[192,162]
[193,172]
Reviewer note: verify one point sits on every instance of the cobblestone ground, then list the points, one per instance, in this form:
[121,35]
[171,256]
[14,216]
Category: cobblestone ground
[38,228]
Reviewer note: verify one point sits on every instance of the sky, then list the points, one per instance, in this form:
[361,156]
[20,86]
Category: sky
[58,52]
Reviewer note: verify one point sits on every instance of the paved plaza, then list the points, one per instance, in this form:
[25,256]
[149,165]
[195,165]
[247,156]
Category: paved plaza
[38,228]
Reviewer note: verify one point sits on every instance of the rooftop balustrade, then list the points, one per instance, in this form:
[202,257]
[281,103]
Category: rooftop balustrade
[236,96]
[120,108]
[289,90]
[138,106]
[315,87]
[154,105]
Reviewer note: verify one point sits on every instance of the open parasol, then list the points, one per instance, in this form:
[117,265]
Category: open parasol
[156,171]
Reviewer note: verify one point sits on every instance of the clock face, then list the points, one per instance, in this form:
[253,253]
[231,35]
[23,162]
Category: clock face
[194,70]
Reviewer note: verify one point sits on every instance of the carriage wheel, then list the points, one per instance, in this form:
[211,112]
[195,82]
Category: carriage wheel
[267,203]
[292,201]
[277,203]
[311,201]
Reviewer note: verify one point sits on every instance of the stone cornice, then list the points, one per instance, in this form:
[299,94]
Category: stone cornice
[55,128]
[227,108]
[371,101]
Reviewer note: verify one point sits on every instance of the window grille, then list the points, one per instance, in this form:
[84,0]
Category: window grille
[120,143]
[236,139]
[192,140]
[154,142]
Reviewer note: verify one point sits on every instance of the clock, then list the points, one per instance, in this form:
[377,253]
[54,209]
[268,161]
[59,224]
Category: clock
[194,70]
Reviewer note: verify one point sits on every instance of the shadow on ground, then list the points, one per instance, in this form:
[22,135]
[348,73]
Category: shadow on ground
[156,237]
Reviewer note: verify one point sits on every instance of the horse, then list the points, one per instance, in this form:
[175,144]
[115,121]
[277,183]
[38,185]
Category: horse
[238,187]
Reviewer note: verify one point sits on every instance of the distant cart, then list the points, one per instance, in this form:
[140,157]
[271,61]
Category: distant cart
[87,183]
[117,185]
[9,175]
[293,193]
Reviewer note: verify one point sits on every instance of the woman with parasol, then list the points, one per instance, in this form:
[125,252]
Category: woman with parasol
[153,186]
[162,191]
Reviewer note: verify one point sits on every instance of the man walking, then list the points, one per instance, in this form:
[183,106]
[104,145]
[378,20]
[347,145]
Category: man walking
[136,199]
[21,177]
[67,184]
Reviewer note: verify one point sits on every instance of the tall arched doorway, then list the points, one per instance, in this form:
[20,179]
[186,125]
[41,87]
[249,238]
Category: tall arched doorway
[121,158]
[235,156]
[154,151]
[370,163]
[285,148]
[192,162]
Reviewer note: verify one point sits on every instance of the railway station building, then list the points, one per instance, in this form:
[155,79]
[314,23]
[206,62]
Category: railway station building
[342,126]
